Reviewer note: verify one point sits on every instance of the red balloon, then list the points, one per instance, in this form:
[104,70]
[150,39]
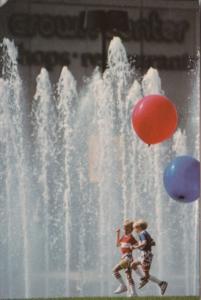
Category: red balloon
[154,119]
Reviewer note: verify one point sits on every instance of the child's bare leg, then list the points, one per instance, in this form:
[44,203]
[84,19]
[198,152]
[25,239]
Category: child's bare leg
[162,284]
[145,279]
[138,270]
[116,272]
[131,284]
[155,279]
[129,277]
[146,267]
[135,264]
[146,274]
[140,273]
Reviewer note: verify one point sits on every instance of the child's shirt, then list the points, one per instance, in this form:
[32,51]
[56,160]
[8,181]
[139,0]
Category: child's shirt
[126,242]
[145,236]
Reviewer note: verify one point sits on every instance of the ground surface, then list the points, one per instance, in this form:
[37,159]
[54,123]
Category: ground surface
[120,298]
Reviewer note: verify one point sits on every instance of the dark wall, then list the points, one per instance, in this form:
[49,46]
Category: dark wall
[161,34]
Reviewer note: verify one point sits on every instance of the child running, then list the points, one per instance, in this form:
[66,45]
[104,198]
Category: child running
[126,242]
[145,246]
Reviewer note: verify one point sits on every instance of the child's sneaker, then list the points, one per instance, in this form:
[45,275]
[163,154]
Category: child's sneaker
[121,289]
[131,291]
[143,282]
[163,286]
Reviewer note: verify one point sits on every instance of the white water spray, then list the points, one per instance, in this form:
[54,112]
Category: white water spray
[89,172]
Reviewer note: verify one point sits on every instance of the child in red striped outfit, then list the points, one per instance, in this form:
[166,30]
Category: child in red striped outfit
[126,242]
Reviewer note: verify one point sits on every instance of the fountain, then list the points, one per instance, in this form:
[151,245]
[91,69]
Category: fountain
[72,170]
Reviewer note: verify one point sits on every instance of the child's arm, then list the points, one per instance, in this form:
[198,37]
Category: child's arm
[134,243]
[140,245]
[118,238]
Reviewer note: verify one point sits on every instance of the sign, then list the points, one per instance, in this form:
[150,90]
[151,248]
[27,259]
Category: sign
[51,38]
[151,28]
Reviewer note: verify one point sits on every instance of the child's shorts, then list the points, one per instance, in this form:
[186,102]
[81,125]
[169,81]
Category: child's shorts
[146,260]
[125,262]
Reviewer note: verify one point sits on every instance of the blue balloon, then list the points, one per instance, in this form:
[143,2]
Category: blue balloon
[182,179]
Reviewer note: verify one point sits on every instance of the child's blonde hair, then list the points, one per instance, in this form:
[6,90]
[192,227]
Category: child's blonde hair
[141,223]
[128,224]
